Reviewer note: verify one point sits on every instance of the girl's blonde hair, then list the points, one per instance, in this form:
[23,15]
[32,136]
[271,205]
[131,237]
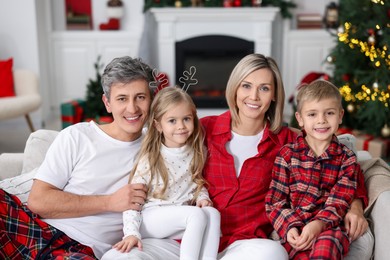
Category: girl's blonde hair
[167,99]
[246,66]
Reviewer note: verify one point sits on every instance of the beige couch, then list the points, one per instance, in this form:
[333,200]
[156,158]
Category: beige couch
[18,169]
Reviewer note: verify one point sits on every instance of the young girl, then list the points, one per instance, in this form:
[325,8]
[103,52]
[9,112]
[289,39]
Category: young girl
[170,164]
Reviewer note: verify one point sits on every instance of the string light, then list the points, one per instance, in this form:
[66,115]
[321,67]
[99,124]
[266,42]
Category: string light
[369,49]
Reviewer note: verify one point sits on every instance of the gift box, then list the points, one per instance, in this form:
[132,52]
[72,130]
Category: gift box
[377,147]
[100,119]
[72,112]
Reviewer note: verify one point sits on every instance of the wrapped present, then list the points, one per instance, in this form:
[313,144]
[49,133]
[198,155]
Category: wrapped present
[105,119]
[72,112]
[100,119]
[377,147]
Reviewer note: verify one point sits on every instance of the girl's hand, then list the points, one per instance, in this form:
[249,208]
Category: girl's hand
[127,244]
[204,203]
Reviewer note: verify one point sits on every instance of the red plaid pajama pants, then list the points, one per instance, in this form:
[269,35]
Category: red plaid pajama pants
[331,244]
[24,236]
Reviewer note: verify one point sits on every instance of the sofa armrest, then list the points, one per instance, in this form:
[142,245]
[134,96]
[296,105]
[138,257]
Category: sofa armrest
[11,165]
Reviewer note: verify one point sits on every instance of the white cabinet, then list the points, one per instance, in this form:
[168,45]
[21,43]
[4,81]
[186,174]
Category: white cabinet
[304,51]
[73,55]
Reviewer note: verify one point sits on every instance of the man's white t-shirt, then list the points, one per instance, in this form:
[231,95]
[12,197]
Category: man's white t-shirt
[84,160]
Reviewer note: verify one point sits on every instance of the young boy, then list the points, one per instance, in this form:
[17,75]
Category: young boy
[314,179]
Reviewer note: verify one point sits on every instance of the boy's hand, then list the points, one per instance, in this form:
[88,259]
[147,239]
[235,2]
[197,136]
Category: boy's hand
[127,244]
[204,203]
[309,233]
[292,237]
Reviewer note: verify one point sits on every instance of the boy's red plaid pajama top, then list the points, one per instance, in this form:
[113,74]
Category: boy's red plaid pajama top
[24,236]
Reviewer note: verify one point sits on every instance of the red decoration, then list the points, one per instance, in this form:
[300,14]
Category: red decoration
[237,3]
[163,81]
[7,78]
[346,77]
[112,24]
[227,3]
[307,79]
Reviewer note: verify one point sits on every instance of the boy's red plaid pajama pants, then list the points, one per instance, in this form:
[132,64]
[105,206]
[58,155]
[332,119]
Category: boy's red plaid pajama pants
[331,244]
[24,236]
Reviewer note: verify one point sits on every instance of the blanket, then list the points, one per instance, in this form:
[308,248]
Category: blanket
[377,178]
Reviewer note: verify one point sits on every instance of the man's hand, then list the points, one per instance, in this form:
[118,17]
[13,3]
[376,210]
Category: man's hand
[127,244]
[355,222]
[131,196]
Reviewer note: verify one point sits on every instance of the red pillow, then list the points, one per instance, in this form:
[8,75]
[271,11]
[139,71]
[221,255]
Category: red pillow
[6,79]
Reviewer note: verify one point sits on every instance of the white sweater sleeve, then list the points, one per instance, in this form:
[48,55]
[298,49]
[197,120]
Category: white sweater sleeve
[203,195]
[132,220]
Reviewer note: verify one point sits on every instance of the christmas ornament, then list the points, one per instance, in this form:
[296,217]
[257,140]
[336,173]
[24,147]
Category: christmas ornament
[350,108]
[385,131]
[237,3]
[375,85]
[371,39]
[346,77]
[256,3]
[340,29]
[178,3]
[330,59]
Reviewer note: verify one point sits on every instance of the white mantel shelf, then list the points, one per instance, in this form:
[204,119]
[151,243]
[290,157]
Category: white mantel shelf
[167,26]
[215,13]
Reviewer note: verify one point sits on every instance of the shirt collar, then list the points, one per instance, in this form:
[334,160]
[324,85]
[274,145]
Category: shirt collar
[333,149]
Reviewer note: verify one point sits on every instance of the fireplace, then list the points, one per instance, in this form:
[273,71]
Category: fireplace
[213,57]
[212,40]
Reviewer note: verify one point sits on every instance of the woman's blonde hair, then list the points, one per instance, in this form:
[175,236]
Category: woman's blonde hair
[246,66]
[167,99]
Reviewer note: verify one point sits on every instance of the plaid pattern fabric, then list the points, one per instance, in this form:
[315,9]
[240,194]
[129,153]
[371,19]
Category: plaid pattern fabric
[329,245]
[305,187]
[24,236]
[240,200]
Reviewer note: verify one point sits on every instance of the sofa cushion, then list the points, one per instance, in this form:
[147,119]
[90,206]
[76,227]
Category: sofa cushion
[36,147]
[349,141]
[7,80]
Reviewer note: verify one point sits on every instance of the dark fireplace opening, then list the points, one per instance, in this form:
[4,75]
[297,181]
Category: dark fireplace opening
[214,58]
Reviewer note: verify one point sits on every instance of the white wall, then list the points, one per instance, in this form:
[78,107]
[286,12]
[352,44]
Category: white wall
[19,40]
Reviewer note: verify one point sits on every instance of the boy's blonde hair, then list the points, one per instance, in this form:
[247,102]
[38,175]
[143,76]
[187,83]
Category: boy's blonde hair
[317,90]
[167,99]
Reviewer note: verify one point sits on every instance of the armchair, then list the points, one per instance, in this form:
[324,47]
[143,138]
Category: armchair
[26,100]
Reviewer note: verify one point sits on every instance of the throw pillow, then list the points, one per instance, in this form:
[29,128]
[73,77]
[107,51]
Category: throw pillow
[20,185]
[6,79]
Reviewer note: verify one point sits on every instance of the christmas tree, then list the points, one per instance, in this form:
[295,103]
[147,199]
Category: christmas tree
[361,60]
[94,106]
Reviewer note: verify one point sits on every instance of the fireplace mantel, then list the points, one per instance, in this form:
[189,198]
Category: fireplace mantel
[166,26]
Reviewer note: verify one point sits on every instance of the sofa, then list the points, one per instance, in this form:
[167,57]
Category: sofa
[17,171]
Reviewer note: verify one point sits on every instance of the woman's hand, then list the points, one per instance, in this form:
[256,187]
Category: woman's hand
[355,222]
